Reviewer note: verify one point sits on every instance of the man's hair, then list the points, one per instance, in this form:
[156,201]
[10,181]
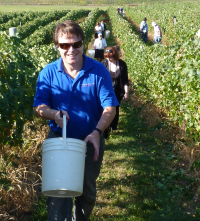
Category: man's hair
[145,19]
[68,27]
[114,55]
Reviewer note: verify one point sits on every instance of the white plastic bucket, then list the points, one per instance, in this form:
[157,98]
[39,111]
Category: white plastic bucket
[12,31]
[63,165]
[91,53]
[107,33]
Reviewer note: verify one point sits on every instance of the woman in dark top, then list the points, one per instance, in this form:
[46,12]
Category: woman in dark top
[119,75]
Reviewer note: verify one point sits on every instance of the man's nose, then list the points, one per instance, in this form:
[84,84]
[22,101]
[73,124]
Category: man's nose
[71,48]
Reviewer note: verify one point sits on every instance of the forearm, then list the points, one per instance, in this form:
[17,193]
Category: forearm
[45,112]
[126,89]
[126,95]
[106,118]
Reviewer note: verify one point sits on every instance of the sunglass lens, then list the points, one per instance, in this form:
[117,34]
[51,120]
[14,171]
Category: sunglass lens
[78,44]
[65,46]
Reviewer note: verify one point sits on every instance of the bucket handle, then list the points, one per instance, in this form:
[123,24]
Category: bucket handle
[64,130]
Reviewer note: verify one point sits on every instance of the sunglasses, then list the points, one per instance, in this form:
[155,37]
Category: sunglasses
[66,46]
[109,51]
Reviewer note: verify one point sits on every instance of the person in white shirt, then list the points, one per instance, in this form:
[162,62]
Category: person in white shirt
[144,30]
[97,29]
[157,32]
[99,45]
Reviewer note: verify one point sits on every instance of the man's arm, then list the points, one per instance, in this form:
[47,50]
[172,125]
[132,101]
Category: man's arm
[47,113]
[106,119]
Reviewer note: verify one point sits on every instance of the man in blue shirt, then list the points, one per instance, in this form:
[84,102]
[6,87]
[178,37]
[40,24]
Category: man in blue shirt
[82,88]
[144,30]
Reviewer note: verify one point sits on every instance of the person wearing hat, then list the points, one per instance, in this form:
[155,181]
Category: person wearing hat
[157,32]
[144,30]
[99,45]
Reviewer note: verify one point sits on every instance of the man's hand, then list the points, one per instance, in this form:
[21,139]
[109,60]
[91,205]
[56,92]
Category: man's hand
[59,118]
[94,138]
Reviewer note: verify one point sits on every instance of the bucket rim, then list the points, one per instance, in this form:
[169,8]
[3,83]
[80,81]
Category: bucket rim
[67,139]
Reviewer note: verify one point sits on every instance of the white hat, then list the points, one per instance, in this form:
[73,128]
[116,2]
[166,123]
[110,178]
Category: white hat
[153,23]
[99,34]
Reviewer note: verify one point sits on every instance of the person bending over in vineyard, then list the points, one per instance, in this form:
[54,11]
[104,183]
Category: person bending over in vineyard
[82,89]
[99,45]
[144,30]
[119,74]
[157,32]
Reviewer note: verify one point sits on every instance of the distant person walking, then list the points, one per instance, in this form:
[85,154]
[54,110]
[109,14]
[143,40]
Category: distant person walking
[118,9]
[175,20]
[144,30]
[103,26]
[157,32]
[99,45]
[121,11]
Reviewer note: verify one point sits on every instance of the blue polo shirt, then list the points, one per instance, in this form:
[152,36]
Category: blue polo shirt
[84,97]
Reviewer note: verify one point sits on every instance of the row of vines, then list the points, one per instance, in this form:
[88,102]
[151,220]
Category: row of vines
[167,75]
[187,15]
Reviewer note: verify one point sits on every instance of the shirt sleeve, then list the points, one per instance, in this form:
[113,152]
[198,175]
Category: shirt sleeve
[141,25]
[94,43]
[104,43]
[124,74]
[43,89]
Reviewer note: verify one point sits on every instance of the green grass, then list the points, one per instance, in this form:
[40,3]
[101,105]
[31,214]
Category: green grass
[136,180]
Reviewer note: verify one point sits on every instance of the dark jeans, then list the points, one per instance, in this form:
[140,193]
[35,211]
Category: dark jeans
[103,34]
[60,209]
[115,121]
[144,37]
[96,35]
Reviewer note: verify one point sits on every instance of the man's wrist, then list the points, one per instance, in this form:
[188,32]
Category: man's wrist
[100,132]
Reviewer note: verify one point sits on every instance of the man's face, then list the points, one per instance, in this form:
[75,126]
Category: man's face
[100,37]
[72,55]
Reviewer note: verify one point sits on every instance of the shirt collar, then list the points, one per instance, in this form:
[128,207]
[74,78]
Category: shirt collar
[87,64]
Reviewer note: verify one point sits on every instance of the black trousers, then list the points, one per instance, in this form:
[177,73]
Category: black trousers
[115,121]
